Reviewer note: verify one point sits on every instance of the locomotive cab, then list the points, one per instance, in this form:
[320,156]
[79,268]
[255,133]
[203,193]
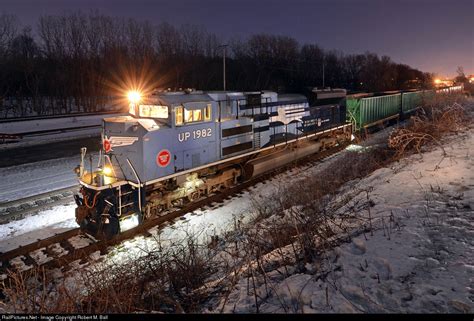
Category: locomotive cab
[161,136]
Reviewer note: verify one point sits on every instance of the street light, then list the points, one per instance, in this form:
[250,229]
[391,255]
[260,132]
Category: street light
[223,60]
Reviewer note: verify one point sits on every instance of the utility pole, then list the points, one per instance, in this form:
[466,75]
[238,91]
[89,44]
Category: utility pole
[223,62]
[323,73]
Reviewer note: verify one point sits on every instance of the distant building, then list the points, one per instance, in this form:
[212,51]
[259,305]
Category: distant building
[443,83]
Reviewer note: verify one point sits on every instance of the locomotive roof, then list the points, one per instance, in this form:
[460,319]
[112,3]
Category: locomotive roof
[182,98]
[175,99]
[291,97]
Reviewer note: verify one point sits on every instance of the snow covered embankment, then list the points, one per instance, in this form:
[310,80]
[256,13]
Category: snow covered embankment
[419,258]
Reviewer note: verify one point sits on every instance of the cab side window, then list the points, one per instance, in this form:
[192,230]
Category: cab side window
[179,115]
[188,116]
[185,116]
[197,115]
[207,112]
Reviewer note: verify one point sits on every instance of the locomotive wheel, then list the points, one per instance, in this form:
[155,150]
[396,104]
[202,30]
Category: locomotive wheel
[88,227]
[194,196]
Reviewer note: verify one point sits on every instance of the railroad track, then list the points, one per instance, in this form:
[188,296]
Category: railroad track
[19,209]
[62,249]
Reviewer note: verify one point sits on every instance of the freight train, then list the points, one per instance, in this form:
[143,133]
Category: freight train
[177,147]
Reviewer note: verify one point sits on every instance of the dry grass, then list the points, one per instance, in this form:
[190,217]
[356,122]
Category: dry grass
[300,223]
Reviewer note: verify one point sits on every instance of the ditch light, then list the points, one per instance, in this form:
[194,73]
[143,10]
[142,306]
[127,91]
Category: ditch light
[128,222]
[107,170]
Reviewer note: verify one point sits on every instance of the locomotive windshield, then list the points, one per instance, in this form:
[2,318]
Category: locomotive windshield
[149,111]
[153,111]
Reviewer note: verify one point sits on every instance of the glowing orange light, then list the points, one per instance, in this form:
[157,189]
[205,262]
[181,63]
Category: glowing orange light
[134,96]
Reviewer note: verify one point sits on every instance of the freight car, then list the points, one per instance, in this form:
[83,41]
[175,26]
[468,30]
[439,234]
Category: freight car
[367,110]
[176,147]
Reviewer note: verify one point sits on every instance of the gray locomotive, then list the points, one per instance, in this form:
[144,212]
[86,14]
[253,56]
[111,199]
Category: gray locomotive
[176,147]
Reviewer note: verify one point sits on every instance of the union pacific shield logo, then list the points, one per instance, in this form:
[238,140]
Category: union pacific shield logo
[163,158]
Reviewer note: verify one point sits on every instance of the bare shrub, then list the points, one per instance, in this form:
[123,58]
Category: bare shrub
[166,279]
[26,292]
[440,116]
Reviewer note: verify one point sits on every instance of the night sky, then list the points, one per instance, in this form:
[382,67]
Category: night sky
[432,35]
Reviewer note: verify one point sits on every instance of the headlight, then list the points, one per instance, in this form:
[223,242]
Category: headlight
[128,222]
[107,170]
[134,96]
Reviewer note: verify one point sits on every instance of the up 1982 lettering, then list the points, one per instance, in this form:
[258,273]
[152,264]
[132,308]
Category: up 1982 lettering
[195,134]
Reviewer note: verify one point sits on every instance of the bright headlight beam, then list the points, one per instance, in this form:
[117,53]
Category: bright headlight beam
[134,96]
[128,223]
[107,170]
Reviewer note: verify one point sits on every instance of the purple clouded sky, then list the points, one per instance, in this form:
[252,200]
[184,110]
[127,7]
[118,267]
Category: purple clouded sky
[432,35]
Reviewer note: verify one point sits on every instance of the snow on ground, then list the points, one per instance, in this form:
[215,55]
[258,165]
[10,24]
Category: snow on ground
[47,223]
[40,177]
[420,260]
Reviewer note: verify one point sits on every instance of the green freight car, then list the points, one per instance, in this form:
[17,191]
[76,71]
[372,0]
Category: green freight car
[414,100]
[366,110]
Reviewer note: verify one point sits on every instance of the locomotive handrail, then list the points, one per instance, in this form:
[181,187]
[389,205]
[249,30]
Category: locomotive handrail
[139,185]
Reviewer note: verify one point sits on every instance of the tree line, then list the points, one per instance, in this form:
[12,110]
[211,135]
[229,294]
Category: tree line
[80,60]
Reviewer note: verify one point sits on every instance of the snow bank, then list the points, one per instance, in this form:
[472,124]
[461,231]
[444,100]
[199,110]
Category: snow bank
[47,223]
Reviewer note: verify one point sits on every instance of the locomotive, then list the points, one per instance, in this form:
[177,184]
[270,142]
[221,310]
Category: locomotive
[176,147]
